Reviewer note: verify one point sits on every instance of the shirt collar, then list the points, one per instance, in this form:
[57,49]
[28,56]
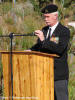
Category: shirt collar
[53,27]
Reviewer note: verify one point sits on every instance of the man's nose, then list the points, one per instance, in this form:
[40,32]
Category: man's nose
[45,19]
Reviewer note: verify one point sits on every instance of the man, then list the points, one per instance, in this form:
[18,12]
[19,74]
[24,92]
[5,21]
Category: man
[54,39]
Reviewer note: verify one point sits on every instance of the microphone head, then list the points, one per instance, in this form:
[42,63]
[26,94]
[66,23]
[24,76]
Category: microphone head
[11,35]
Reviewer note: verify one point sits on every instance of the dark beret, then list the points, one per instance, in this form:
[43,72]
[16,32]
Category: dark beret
[49,9]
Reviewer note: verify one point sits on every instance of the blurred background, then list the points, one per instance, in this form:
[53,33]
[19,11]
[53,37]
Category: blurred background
[23,17]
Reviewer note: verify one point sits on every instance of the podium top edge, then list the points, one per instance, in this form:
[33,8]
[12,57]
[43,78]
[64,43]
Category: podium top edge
[29,52]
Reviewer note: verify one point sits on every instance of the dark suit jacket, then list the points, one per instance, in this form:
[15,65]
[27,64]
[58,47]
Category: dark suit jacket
[57,44]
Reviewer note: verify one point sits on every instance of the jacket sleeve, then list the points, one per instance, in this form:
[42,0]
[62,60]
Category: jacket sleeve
[61,46]
[37,46]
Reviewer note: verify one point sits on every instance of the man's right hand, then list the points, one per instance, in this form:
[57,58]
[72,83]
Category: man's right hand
[39,34]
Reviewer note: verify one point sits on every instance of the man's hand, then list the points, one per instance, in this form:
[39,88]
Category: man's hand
[39,34]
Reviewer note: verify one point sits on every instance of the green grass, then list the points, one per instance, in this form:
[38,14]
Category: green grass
[5,8]
[9,21]
[72,88]
[19,19]
[71,62]
[23,43]
[1,30]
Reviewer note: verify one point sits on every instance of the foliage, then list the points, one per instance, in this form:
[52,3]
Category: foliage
[21,19]
[9,20]
[72,40]
[40,4]
[67,3]
[36,5]
[72,32]
[21,0]
[15,0]
[71,62]
[5,7]
[1,31]
[0,68]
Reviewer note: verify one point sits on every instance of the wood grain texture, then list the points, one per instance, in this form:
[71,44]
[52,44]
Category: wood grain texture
[6,76]
[33,76]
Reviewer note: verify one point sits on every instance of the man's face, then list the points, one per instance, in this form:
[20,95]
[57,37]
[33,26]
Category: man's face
[50,19]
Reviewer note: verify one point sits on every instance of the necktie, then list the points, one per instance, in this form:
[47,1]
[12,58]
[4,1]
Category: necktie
[49,33]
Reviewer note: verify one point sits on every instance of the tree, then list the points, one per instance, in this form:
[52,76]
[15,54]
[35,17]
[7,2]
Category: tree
[65,3]
[44,2]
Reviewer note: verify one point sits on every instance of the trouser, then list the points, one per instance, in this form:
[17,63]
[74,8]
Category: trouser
[61,90]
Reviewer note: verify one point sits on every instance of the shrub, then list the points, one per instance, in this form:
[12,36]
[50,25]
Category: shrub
[6,7]
[1,31]
[9,20]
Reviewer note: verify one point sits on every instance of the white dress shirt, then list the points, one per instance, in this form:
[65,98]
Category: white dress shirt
[52,29]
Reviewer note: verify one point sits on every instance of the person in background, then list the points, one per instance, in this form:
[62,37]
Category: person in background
[54,39]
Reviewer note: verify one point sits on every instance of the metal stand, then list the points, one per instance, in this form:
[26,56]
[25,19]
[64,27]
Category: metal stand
[11,36]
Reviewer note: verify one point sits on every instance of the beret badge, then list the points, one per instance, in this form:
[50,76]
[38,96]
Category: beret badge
[46,10]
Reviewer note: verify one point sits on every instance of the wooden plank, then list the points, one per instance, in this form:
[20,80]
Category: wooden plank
[16,77]
[52,78]
[6,76]
[41,68]
[38,74]
[27,75]
[46,79]
[23,78]
[32,75]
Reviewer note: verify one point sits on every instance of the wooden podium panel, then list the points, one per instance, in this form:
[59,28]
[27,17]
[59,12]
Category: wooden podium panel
[33,75]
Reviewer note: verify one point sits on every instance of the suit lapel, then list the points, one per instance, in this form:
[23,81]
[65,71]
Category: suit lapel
[45,31]
[56,31]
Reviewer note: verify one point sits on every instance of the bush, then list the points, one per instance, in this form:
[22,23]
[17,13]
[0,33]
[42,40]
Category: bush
[1,31]
[9,21]
[6,7]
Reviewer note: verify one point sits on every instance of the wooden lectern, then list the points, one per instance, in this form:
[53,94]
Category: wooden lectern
[33,75]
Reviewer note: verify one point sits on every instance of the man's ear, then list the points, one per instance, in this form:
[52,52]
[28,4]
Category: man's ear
[56,16]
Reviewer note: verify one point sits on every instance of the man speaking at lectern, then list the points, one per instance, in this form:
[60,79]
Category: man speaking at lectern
[53,39]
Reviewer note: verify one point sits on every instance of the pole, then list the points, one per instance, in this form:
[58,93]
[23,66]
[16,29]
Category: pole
[14,1]
[11,38]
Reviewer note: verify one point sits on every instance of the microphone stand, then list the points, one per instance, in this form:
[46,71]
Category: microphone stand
[11,36]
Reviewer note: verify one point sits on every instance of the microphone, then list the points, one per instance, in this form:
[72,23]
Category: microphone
[11,35]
